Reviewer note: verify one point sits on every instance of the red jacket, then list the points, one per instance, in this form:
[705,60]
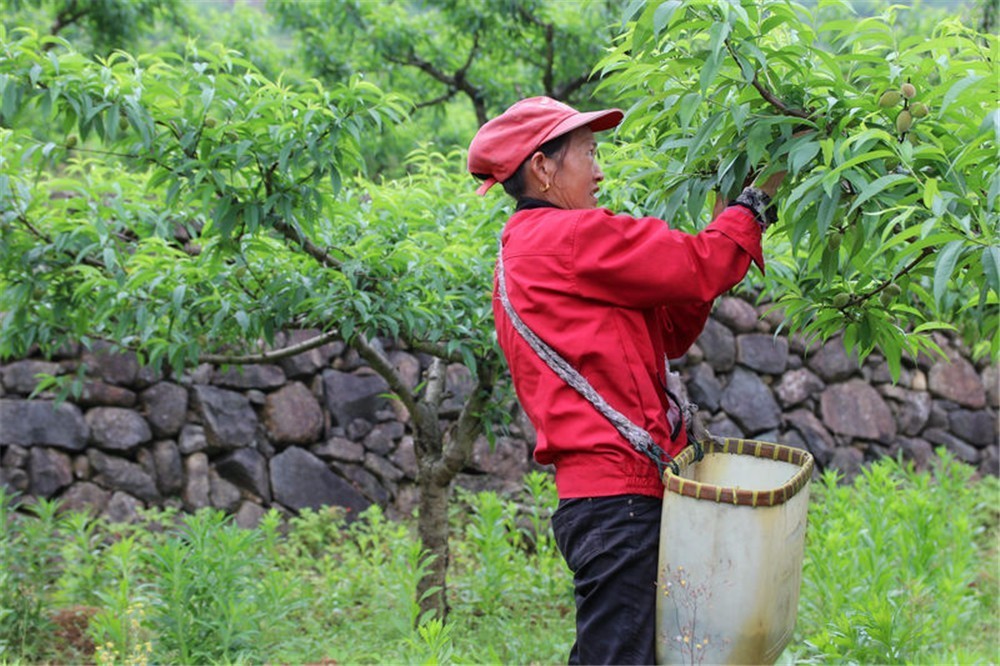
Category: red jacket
[615,296]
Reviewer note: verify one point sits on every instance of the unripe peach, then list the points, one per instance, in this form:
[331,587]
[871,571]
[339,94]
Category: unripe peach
[919,110]
[904,121]
[909,90]
[889,99]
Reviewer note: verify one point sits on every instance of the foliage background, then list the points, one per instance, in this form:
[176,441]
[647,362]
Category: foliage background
[187,183]
[900,568]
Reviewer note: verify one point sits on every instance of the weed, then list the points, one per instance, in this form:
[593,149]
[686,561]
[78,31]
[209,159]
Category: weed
[118,630]
[890,572]
[900,567]
[29,546]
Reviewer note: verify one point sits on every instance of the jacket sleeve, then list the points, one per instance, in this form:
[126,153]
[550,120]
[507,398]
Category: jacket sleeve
[642,263]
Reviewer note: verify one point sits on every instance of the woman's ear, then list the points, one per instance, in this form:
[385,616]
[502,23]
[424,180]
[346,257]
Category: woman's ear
[540,167]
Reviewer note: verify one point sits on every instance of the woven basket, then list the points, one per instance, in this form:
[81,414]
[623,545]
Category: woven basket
[731,547]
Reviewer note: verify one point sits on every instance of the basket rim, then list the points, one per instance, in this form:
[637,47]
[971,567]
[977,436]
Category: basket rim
[678,485]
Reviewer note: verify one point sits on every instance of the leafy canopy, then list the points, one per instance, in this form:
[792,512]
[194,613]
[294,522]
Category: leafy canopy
[183,204]
[889,228]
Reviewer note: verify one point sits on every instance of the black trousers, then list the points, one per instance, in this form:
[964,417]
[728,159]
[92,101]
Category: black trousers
[611,545]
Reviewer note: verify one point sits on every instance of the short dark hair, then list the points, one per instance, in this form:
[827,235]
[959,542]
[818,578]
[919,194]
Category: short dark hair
[514,186]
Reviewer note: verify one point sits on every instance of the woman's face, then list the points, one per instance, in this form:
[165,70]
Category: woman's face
[576,179]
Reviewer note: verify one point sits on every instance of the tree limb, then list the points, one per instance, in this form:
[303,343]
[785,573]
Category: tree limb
[437,100]
[567,88]
[66,17]
[310,248]
[271,355]
[466,429]
[380,364]
[456,82]
[858,298]
[426,419]
[435,350]
[768,96]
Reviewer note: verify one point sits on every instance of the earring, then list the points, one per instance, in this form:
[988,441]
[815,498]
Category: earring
[545,188]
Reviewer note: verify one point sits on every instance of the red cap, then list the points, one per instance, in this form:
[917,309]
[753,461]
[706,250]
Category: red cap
[502,144]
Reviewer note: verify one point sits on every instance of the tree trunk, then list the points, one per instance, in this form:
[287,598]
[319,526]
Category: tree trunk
[440,458]
[432,527]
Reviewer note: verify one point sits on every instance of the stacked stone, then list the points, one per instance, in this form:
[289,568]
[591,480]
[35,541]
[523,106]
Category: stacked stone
[312,430]
[320,428]
[751,383]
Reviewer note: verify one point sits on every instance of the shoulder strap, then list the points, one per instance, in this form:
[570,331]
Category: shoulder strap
[640,439]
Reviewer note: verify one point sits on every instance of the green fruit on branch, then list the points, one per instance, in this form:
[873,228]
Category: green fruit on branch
[123,123]
[209,122]
[889,99]
[919,110]
[833,242]
[892,289]
[909,90]
[840,300]
[885,298]
[71,140]
[904,121]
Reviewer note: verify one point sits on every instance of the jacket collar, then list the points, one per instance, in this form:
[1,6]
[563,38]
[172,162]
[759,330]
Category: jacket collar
[528,204]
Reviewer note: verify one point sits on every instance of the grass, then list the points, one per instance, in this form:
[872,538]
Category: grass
[901,567]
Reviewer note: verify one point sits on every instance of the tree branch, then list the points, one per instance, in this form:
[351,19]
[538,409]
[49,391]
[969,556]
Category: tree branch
[68,16]
[426,418]
[563,92]
[769,96]
[456,82]
[435,350]
[434,393]
[380,364]
[466,429]
[856,299]
[437,100]
[89,261]
[315,251]
[271,355]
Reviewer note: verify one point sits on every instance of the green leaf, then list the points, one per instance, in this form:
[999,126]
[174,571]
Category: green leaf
[826,212]
[944,267]
[801,155]
[709,71]
[632,9]
[930,192]
[957,90]
[335,181]
[876,187]
[991,267]
[663,15]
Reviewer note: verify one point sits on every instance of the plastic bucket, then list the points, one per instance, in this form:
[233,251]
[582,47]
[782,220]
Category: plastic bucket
[731,546]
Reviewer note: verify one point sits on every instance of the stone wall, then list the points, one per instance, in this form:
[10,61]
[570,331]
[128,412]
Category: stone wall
[319,428]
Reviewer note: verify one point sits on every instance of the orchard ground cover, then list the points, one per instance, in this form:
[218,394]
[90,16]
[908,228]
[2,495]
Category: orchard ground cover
[901,567]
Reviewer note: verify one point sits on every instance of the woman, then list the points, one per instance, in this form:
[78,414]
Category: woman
[588,306]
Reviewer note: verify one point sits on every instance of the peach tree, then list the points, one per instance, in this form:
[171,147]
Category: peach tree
[888,126]
[188,208]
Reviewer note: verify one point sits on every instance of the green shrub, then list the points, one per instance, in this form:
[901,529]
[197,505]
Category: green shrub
[901,566]
[29,546]
[216,594]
